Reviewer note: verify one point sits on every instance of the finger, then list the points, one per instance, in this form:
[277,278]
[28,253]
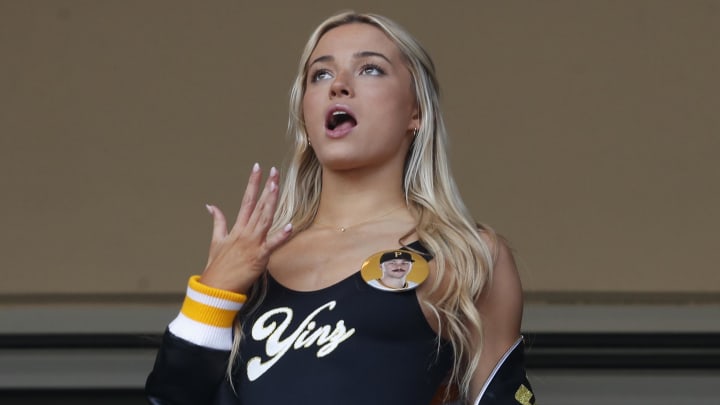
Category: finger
[262,217]
[278,238]
[219,223]
[247,206]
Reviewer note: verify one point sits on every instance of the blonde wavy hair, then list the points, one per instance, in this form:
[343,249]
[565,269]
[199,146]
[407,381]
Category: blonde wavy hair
[463,259]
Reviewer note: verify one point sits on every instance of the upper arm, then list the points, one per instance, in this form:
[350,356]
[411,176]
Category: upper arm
[500,307]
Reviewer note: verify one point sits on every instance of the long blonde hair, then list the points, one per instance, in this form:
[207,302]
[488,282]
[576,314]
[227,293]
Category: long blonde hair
[444,225]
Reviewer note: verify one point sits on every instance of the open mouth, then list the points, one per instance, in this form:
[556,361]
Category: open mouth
[339,119]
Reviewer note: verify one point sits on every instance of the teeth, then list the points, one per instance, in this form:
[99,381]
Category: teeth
[337,117]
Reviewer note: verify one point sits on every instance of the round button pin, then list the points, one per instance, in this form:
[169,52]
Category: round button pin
[394,270]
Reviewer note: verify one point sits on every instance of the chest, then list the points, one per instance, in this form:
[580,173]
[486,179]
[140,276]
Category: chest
[313,261]
[344,333]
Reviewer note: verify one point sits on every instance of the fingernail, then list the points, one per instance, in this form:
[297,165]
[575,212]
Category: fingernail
[256,167]
[209,208]
[273,186]
[273,171]
[287,228]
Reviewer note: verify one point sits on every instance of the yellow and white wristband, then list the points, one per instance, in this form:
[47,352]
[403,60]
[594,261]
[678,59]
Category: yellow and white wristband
[207,315]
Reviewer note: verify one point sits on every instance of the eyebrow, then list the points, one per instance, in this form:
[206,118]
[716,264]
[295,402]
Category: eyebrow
[357,55]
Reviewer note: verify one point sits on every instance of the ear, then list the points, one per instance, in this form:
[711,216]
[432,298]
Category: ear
[414,119]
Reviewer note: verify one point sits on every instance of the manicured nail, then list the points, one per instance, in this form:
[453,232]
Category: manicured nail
[287,228]
[256,167]
[209,208]
[273,171]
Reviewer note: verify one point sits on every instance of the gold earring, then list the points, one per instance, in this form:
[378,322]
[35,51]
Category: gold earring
[415,131]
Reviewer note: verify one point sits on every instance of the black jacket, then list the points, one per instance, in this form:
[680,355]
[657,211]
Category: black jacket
[187,374]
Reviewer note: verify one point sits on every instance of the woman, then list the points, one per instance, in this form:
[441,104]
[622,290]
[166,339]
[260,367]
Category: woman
[369,175]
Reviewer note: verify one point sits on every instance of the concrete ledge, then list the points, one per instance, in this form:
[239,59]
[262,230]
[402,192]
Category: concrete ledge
[153,318]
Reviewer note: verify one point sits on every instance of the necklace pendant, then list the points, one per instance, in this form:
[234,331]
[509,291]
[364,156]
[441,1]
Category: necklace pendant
[342,229]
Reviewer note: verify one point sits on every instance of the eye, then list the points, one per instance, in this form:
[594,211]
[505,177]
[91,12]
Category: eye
[320,74]
[371,70]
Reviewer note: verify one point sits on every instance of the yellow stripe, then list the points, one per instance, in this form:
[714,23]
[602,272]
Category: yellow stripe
[206,314]
[523,395]
[196,285]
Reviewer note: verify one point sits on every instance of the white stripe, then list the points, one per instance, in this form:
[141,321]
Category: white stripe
[214,302]
[201,334]
[495,370]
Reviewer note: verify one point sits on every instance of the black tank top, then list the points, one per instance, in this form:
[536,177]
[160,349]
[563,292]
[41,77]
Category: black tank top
[345,344]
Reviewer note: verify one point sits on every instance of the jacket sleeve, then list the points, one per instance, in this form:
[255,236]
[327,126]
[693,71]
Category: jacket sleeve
[508,384]
[191,364]
[185,373]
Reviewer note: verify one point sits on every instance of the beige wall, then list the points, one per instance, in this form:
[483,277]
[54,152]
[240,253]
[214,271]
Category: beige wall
[587,132]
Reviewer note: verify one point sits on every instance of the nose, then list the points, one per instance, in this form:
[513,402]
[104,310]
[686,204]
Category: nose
[341,86]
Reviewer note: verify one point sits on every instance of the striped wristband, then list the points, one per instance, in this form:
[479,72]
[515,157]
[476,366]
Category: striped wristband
[207,315]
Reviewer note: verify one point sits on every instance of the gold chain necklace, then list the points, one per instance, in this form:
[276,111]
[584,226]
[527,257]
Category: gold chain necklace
[344,228]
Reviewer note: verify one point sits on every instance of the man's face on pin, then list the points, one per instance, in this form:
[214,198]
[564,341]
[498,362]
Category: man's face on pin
[396,264]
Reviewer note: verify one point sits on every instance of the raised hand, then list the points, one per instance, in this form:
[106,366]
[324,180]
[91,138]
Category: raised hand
[238,257]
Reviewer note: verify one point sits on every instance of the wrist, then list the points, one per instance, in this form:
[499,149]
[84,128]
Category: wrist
[220,283]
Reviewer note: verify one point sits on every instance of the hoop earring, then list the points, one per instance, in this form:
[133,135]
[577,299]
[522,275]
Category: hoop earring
[415,132]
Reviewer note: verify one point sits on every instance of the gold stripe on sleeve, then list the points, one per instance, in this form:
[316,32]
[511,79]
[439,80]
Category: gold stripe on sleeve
[196,285]
[206,314]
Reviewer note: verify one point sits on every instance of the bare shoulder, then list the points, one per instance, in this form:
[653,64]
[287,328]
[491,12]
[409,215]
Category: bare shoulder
[500,307]
[502,295]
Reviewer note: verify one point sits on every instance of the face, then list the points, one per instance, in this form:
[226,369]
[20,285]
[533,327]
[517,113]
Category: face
[396,268]
[359,106]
